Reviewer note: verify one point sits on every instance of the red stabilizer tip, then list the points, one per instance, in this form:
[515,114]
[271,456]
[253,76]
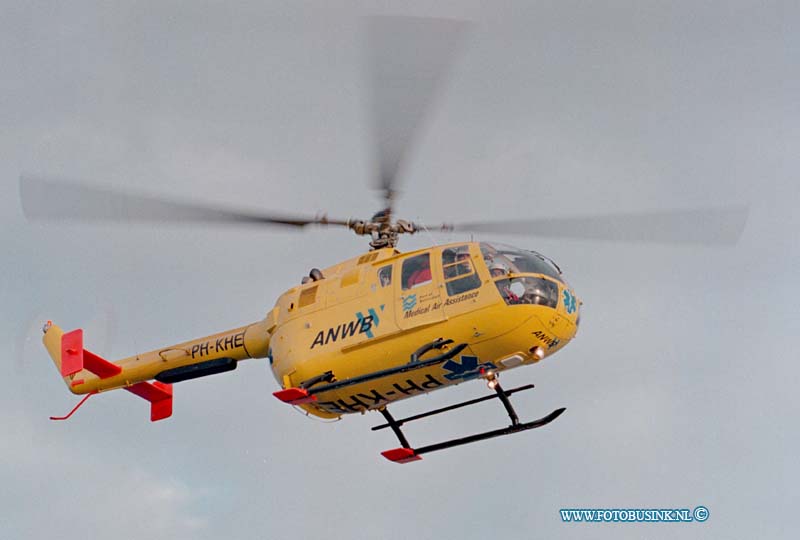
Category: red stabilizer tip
[294,396]
[158,394]
[71,352]
[161,408]
[401,455]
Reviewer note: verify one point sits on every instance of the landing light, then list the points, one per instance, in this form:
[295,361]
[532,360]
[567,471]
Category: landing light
[491,380]
[537,352]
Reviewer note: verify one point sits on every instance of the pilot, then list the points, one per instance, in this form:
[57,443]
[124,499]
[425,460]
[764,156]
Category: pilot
[499,272]
[461,267]
[498,269]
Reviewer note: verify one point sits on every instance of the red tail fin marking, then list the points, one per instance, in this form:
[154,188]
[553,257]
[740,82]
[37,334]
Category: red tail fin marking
[75,358]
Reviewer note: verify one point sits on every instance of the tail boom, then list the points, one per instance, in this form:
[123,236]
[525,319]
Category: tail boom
[87,373]
[84,371]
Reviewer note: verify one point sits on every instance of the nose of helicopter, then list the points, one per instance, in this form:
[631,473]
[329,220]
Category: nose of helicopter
[553,304]
[549,328]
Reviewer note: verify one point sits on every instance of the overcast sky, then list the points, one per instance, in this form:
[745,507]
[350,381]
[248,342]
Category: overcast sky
[680,388]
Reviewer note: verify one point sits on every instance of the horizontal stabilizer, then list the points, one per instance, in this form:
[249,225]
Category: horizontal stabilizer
[158,394]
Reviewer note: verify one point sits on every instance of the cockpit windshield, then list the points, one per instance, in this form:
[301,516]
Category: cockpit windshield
[520,261]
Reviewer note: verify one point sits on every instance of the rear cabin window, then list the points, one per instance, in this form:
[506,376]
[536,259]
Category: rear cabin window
[385,276]
[459,272]
[308,296]
[416,271]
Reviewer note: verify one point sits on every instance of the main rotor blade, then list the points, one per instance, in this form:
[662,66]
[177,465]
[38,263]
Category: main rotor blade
[710,226]
[408,60]
[48,199]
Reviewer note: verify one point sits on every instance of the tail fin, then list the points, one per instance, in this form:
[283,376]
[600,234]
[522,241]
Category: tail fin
[87,373]
[69,356]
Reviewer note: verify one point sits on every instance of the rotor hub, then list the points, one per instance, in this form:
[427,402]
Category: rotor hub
[384,233]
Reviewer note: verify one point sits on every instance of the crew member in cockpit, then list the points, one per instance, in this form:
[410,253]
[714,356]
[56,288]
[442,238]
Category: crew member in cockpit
[499,272]
[458,271]
[498,269]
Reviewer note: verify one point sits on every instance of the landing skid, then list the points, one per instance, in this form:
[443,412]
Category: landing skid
[407,454]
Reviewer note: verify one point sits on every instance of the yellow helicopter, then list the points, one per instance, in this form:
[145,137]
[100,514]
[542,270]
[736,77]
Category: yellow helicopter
[385,325]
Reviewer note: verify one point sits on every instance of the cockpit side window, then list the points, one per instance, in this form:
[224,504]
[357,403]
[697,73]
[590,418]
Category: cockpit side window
[459,271]
[385,276]
[416,271]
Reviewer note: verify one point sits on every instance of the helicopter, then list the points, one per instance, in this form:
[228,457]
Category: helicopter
[384,325]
